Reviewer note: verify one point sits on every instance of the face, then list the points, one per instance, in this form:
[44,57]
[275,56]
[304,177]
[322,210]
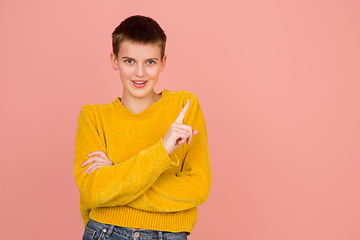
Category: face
[139,66]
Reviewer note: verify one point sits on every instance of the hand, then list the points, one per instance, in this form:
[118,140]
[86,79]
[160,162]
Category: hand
[178,132]
[100,159]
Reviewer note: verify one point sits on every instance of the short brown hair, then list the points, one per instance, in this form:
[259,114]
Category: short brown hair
[138,29]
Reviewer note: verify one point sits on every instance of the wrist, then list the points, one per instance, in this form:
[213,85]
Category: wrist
[166,147]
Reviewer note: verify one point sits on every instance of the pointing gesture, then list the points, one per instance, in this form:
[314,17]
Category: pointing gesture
[182,113]
[178,132]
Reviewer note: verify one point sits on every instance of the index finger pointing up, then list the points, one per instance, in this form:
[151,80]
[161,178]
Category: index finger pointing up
[181,115]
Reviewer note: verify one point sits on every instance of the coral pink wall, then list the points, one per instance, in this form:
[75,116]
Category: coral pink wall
[279,83]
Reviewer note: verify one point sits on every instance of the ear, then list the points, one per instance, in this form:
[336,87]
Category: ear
[163,62]
[114,61]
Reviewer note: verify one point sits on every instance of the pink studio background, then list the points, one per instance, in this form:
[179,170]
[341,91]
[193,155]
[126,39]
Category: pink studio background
[278,82]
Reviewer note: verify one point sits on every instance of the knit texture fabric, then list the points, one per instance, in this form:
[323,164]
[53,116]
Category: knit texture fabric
[145,188]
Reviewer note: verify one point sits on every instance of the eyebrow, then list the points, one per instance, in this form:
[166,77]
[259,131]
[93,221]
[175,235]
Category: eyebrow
[145,59]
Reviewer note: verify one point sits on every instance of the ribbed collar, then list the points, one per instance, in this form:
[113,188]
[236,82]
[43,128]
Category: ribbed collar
[144,114]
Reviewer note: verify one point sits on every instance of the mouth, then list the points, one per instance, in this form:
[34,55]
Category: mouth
[139,84]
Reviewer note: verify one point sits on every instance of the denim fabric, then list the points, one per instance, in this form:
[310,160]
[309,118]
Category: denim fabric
[100,231]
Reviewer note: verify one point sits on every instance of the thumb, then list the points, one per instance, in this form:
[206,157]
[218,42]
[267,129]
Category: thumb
[194,132]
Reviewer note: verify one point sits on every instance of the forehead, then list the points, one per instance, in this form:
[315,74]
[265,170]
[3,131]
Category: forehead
[139,50]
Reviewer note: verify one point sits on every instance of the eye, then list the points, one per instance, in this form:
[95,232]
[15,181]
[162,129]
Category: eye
[151,62]
[129,61]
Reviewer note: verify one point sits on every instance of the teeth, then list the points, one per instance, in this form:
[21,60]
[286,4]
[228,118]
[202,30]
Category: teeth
[139,82]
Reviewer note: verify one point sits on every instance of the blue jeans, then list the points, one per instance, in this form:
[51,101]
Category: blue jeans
[100,231]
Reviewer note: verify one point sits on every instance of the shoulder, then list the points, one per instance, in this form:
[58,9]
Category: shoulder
[182,96]
[177,101]
[94,109]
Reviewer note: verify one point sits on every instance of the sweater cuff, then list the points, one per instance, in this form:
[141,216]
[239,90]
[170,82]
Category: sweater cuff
[173,158]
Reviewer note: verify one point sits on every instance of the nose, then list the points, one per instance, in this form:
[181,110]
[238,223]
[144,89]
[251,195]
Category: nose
[139,70]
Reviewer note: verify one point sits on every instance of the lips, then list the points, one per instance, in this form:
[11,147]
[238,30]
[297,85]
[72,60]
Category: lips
[139,84]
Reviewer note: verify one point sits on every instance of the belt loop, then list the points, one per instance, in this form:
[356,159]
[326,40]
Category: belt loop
[109,231]
[160,235]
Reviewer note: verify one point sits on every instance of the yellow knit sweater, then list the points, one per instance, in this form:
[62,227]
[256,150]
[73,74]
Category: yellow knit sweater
[145,188]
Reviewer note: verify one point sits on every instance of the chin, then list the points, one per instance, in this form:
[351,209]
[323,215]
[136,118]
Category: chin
[141,93]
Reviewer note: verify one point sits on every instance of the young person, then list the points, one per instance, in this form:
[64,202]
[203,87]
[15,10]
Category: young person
[141,161]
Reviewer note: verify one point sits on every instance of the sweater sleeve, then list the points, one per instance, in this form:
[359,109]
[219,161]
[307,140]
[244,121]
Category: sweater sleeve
[118,184]
[191,186]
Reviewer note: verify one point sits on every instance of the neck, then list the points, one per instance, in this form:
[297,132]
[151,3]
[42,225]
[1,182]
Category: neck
[137,105]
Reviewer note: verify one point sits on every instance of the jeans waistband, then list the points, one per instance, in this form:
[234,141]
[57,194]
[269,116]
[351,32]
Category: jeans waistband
[108,230]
